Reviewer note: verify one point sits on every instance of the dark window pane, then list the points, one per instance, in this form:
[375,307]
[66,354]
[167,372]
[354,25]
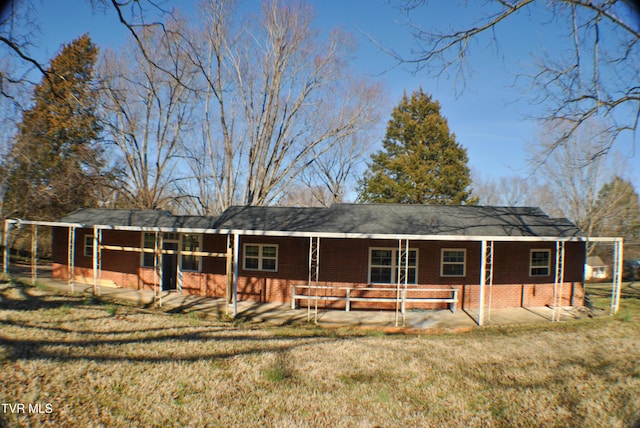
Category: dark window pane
[453,270]
[250,263]
[189,263]
[380,275]
[453,256]
[539,271]
[381,257]
[268,264]
[411,276]
[269,252]
[252,251]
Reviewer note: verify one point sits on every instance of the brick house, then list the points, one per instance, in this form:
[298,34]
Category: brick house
[345,256]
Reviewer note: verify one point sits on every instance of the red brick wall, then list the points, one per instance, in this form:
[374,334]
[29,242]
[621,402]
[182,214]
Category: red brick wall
[293,268]
[342,263]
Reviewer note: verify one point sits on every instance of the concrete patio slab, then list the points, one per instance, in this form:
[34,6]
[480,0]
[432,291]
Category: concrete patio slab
[282,314]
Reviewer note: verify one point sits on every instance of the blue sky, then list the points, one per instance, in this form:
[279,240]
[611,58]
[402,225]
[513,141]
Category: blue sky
[489,118]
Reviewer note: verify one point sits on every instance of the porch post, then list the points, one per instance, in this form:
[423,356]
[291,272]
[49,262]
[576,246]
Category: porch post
[489,253]
[34,253]
[483,281]
[5,245]
[160,254]
[401,278]
[71,257]
[95,260]
[179,264]
[229,287]
[558,281]
[236,256]
[618,256]
[314,271]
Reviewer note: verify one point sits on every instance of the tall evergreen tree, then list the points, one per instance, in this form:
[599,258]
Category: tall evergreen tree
[55,163]
[421,162]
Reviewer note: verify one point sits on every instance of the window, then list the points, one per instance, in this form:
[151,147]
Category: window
[261,257]
[540,263]
[149,243]
[88,245]
[453,262]
[383,266]
[191,243]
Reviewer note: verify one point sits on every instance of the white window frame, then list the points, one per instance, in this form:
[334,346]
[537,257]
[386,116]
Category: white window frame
[260,257]
[532,267]
[182,256]
[88,245]
[394,265]
[463,263]
[143,247]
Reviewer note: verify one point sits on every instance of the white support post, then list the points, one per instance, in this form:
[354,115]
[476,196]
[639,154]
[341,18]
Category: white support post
[71,257]
[95,260]
[155,270]
[618,256]
[406,279]
[5,245]
[317,275]
[310,278]
[489,275]
[483,282]
[179,264]
[558,281]
[160,254]
[229,261]
[314,272]
[236,256]
[34,253]
[401,278]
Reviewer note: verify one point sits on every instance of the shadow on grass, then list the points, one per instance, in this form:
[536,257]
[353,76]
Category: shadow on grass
[40,338]
[23,297]
[630,290]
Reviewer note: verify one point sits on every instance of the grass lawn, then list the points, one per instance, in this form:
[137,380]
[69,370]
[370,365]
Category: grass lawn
[76,361]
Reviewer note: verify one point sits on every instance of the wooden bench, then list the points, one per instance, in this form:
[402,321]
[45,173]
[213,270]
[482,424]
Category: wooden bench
[348,298]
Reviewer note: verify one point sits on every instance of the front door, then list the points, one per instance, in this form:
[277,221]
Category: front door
[169,266]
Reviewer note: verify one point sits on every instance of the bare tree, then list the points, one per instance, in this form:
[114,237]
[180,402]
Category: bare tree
[597,79]
[18,34]
[277,97]
[575,177]
[17,28]
[510,190]
[148,112]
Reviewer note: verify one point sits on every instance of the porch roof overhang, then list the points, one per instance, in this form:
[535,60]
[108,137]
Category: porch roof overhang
[314,234]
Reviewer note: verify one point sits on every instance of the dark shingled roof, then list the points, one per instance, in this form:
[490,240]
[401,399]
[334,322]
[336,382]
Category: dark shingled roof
[137,218]
[396,219]
[382,219]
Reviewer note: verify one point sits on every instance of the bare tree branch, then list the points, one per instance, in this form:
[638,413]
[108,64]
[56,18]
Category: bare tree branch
[597,80]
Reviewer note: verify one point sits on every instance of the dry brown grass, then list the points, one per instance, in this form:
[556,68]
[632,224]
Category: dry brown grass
[103,364]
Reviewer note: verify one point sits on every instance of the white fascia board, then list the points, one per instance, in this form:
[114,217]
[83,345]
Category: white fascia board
[340,235]
[165,229]
[410,237]
[46,223]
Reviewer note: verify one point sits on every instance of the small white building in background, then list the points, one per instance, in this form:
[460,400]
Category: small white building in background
[595,269]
